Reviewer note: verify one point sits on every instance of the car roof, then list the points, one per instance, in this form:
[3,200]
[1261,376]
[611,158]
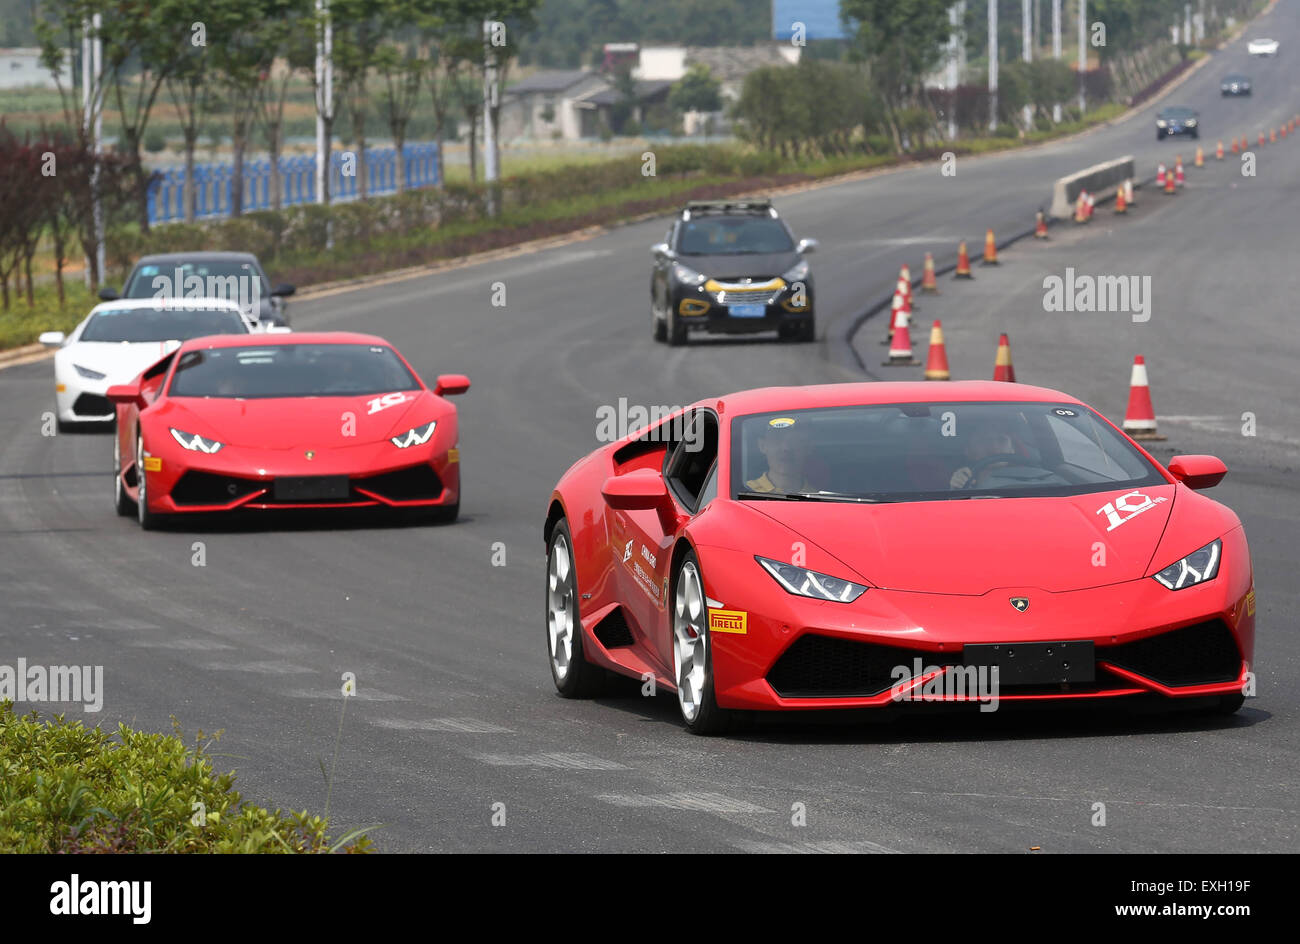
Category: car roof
[767,399]
[206,256]
[164,303]
[1171,109]
[269,340]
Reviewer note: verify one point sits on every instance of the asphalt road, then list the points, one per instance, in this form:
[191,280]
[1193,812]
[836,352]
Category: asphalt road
[456,711]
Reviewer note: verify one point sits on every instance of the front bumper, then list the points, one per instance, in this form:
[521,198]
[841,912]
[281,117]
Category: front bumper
[1170,132]
[884,648]
[750,312]
[83,401]
[237,478]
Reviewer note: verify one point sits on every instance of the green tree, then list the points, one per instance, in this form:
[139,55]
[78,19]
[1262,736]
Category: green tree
[697,90]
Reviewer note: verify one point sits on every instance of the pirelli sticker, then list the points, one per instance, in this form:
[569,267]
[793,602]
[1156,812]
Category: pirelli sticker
[152,464]
[1250,602]
[729,621]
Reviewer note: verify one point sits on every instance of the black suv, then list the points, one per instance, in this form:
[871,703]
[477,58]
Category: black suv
[731,267]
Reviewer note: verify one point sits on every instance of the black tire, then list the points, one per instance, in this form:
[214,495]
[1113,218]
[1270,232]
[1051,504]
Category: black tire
[578,678]
[807,331]
[709,718]
[121,500]
[658,325]
[149,520]
[675,330]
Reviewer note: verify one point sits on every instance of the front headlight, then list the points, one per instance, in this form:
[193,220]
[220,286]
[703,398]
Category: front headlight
[798,273]
[414,437]
[1191,122]
[686,276]
[88,373]
[1160,122]
[196,443]
[809,583]
[1196,567]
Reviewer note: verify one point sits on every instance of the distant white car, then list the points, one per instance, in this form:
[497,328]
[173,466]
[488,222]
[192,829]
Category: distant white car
[1262,47]
[119,339]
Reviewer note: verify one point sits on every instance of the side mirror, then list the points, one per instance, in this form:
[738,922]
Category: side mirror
[51,338]
[283,290]
[1198,471]
[806,246]
[126,393]
[661,251]
[642,490]
[108,294]
[449,385]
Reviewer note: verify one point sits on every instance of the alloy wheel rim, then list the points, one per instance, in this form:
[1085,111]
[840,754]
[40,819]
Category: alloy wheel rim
[117,467]
[560,619]
[140,477]
[690,641]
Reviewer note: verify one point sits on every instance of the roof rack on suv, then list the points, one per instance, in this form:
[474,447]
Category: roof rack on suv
[761,206]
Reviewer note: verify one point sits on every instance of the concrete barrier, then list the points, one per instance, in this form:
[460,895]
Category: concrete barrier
[1100,180]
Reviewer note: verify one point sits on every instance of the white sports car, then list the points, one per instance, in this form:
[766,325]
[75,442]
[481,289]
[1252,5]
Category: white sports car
[119,339]
[1262,47]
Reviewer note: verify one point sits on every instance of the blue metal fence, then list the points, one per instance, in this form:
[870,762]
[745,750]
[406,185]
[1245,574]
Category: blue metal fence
[297,182]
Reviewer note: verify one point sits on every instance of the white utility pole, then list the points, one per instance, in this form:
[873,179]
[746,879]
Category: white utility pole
[955,14]
[1083,51]
[490,157]
[324,98]
[92,117]
[993,65]
[1027,49]
[1056,49]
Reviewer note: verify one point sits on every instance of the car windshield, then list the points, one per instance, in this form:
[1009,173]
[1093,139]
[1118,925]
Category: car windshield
[1177,113]
[236,280]
[730,235]
[161,324]
[932,452]
[291,370]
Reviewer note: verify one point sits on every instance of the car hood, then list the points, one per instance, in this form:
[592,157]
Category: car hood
[732,266]
[120,361]
[971,546]
[294,423]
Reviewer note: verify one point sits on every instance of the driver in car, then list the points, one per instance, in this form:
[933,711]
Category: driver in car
[785,446]
[986,440]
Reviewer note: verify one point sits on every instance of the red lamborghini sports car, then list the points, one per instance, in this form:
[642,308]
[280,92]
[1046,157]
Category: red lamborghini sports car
[861,545]
[309,420]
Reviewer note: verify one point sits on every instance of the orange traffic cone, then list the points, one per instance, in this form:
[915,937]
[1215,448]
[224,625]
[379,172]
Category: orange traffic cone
[1281,132]
[1040,227]
[1091,205]
[1129,196]
[1218,151]
[1171,185]
[1002,366]
[929,284]
[1234,145]
[990,249]
[1272,136]
[1160,176]
[936,367]
[1200,157]
[1179,177]
[1121,204]
[894,308]
[1081,207]
[1140,417]
[1261,139]
[900,346]
[963,263]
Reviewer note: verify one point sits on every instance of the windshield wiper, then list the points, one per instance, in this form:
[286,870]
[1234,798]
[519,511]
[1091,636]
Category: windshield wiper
[811,496]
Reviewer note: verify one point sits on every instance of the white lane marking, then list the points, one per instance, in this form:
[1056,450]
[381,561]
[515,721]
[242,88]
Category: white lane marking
[699,802]
[556,760]
[448,725]
[262,668]
[829,847]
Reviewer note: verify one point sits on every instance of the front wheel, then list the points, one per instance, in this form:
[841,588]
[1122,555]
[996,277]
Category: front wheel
[573,675]
[693,653]
[659,326]
[149,520]
[121,500]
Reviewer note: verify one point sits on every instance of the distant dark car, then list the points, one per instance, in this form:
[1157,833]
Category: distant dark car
[234,276]
[1177,120]
[1235,84]
[731,267]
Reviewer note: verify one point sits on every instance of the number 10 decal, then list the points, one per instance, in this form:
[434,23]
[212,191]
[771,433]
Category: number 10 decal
[1131,505]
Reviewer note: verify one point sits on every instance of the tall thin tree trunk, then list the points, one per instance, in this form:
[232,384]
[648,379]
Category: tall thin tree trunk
[239,143]
[191,185]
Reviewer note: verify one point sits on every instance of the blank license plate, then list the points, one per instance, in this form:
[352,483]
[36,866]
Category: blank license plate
[311,487]
[747,311]
[1036,663]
